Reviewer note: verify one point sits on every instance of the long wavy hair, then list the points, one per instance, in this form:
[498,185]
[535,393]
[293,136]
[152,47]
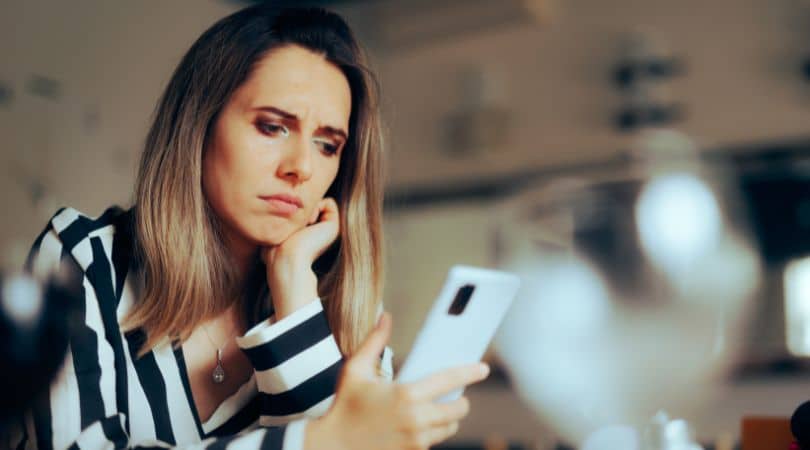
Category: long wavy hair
[187,273]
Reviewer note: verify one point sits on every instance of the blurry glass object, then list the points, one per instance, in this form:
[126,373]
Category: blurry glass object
[35,321]
[678,221]
[797,306]
[661,433]
[634,286]
[22,301]
[613,437]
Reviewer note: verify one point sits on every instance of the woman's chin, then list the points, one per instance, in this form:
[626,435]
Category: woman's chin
[272,239]
[268,241]
[273,233]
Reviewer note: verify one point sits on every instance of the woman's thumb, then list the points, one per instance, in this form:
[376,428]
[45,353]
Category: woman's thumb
[369,352]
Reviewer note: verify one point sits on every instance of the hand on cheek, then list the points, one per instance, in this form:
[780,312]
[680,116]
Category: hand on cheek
[314,216]
[290,278]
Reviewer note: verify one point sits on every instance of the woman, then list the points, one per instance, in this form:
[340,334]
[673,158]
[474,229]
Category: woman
[256,225]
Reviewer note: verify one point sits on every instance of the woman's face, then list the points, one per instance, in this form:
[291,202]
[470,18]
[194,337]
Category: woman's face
[275,147]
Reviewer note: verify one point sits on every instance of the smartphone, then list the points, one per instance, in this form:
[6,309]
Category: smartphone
[460,324]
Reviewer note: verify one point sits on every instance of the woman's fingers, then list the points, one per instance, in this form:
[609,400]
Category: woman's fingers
[375,412]
[447,380]
[440,433]
[314,216]
[328,225]
[328,209]
[364,360]
[321,230]
[432,414]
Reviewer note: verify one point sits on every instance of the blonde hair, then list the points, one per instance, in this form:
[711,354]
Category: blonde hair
[187,273]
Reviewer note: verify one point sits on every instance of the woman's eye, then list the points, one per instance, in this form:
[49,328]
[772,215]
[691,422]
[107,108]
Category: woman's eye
[328,147]
[273,129]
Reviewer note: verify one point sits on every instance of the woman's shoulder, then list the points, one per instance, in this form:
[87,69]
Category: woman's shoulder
[73,225]
[82,236]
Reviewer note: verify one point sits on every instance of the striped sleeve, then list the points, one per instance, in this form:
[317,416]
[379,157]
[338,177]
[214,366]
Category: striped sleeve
[81,408]
[297,362]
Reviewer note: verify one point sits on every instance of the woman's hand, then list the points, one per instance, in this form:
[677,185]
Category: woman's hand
[371,413]
[290,278]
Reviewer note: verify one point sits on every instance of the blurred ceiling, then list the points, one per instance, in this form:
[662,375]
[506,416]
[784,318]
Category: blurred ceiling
[403,25]
[290,3]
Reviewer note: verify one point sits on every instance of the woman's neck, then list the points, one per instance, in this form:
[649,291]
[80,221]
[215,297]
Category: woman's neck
[243,254]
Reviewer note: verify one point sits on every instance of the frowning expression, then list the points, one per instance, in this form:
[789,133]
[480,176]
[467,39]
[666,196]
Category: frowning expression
[275,147]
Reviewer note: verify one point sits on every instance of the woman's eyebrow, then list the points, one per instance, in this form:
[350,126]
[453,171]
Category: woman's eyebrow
[332,132]
[278,111]
[326,129]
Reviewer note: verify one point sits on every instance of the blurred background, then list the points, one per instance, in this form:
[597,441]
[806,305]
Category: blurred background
[643,164]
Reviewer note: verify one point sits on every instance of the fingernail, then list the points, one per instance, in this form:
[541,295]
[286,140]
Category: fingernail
[484,369]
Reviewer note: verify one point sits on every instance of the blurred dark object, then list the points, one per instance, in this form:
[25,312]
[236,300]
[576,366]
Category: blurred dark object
[654,68]
[642,72]
[806,68]
[6,94]
[800,425]
[781,366]
[651,115]
[780,207]
[44,87]
[34,328]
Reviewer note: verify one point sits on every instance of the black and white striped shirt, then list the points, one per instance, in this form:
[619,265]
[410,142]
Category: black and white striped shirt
[105,397]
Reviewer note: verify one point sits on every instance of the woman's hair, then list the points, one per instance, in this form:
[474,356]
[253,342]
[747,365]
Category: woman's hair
[188,274]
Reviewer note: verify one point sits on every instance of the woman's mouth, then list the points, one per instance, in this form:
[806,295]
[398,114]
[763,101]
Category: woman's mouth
[283,204]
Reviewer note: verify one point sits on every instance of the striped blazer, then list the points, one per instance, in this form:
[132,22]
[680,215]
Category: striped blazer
[105,397]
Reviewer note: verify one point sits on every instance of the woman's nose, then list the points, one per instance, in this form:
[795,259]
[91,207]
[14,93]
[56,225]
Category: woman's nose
[296,163]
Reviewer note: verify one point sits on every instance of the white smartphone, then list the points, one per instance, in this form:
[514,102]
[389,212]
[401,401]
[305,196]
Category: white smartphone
[461,323]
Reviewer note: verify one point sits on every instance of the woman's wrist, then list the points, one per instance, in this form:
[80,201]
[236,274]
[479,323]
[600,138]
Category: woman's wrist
[319,434]
[293,286]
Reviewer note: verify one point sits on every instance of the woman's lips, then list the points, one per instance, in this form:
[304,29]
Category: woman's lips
[283,204]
